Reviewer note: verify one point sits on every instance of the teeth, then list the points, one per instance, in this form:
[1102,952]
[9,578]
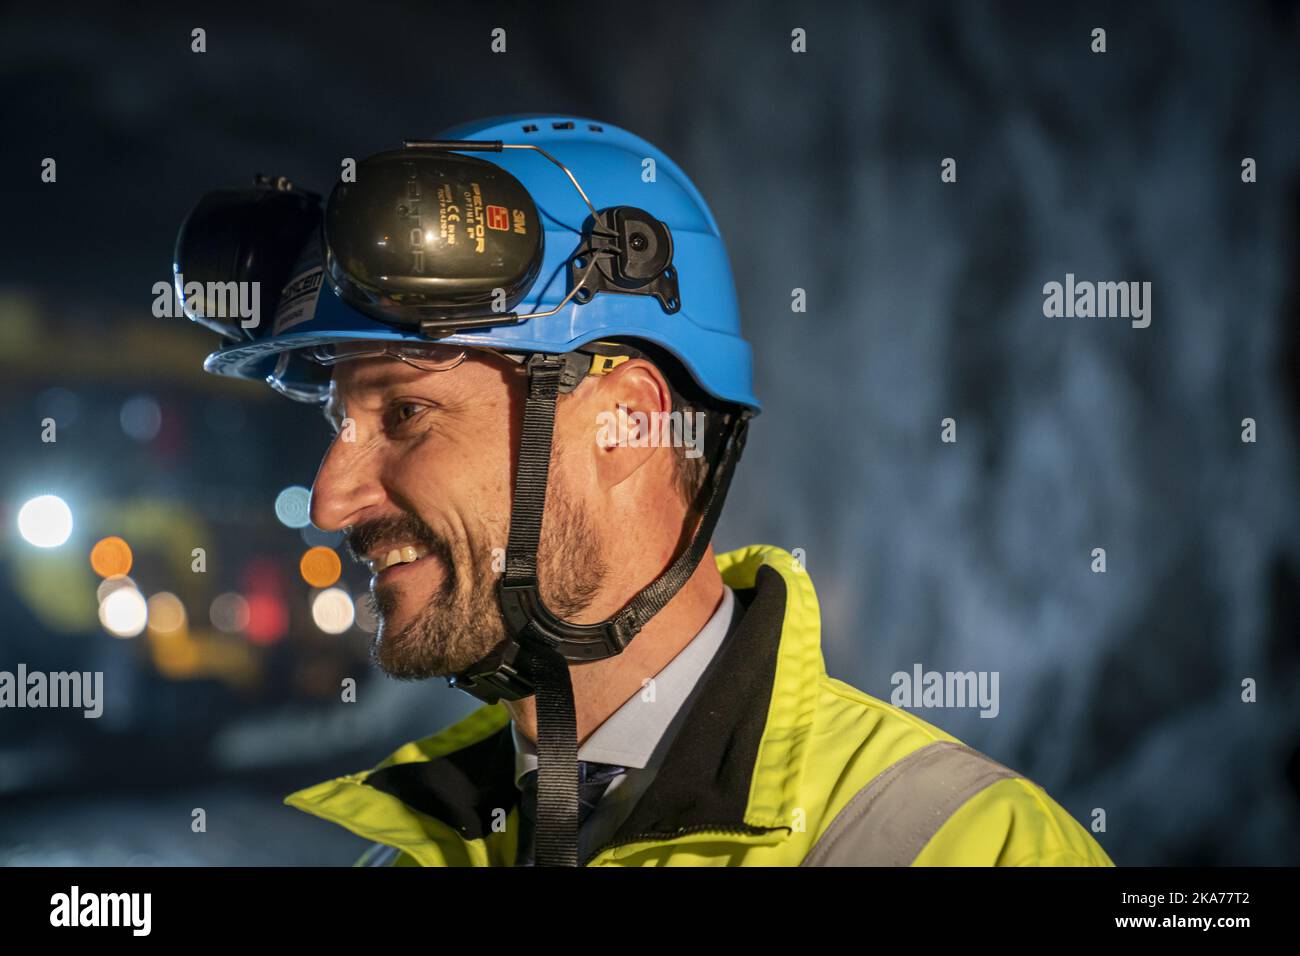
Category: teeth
[402,555]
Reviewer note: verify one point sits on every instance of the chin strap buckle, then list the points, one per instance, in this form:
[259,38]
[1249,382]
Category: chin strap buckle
[502,675]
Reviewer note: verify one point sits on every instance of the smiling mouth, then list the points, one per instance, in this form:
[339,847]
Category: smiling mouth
[408,554]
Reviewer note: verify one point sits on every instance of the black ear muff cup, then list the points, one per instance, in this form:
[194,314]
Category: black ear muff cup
[431,235]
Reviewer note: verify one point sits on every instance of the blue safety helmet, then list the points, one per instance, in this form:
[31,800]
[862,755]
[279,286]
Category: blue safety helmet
[614,167]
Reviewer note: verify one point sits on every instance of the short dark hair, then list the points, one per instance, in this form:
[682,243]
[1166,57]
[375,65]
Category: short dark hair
[690,472]
[689,398]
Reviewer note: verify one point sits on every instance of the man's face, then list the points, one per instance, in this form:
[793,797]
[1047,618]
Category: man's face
[420,473]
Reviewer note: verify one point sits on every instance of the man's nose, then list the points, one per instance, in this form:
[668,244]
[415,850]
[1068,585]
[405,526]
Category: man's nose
[345,487]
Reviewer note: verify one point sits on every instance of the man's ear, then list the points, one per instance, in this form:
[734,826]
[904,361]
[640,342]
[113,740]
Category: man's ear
[629,405]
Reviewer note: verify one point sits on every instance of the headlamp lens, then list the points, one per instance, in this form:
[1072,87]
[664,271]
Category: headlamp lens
[236,250]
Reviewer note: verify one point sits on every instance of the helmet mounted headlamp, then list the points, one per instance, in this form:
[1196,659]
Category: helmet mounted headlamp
[252,237]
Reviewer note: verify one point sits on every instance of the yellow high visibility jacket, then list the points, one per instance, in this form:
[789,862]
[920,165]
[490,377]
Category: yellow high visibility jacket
[777,764]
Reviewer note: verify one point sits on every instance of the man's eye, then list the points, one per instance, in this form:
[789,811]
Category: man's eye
[402,412]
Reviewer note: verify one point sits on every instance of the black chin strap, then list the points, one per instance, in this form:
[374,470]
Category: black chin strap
[556,834]
[536,657]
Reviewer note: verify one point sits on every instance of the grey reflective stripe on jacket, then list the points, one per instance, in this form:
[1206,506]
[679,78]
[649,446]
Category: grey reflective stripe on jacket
[890,820]
[381,854]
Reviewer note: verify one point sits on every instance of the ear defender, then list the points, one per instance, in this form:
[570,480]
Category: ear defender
[425,237]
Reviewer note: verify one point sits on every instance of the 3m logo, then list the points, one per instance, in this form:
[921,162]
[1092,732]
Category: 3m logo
[498,218]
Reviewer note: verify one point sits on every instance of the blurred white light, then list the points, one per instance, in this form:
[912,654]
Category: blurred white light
[109,585]
[332,611]
[229,612]
[293,506]
[124,613]
[141,418]
[45,521]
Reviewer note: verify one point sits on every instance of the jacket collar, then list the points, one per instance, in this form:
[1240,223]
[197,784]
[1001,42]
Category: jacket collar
[735,766]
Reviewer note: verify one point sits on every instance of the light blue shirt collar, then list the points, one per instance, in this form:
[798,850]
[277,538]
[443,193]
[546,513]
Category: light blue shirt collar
[629,736]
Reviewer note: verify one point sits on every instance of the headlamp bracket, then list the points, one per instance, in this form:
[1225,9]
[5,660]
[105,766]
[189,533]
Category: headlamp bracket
[633,253]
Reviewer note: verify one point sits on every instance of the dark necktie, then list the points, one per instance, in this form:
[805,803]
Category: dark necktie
[593,780]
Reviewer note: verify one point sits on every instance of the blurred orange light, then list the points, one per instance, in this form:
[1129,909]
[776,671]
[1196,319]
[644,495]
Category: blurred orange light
[110,556]
[320,567]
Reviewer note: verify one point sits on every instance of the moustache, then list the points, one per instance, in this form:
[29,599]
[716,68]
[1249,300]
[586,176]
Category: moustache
[390,530]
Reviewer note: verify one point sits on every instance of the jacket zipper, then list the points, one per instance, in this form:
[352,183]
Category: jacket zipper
[662,836]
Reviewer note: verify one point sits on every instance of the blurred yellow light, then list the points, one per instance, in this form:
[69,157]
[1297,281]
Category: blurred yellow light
[177,656]
[320,567]
[110,556]
[166,613]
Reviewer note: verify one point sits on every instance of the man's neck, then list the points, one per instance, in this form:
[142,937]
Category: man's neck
[602,687]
